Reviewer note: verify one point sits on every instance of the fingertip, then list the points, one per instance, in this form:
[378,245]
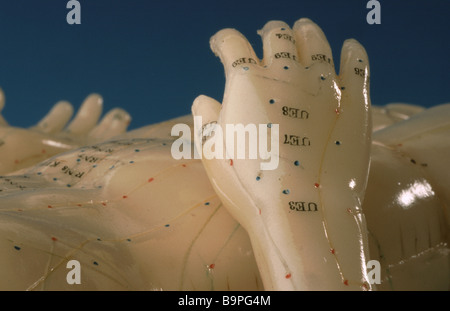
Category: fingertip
[312,44]
[355,46]
[88,114]
[56,118]
[278,44]
[354,77]
[302,21]
[206,107]
[127,118]
[64,107]
[271,25]
[205,110]
[94,99]
[218,40]
[353,55]
[309,28]
[119,114]
[115,122]
[60,114]
[91,108]
[195,108]
[232,48]
[351,41]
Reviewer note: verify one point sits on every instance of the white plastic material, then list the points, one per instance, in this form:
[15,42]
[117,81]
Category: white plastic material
[135,218]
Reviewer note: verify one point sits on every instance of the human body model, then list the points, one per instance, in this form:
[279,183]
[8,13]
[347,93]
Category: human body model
[136,218]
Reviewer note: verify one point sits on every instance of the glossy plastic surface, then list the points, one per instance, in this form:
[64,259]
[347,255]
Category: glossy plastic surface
[136,218]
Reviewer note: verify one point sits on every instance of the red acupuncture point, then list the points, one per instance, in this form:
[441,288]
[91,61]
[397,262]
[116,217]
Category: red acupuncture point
[125,196]
[346,282]
[54,239]
[231,162]
[151,179]
[316,185]
[332,251]
[288,276]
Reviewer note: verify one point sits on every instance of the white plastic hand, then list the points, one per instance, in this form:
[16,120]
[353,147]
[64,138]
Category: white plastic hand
[85,127]
[21,148]
[304,218]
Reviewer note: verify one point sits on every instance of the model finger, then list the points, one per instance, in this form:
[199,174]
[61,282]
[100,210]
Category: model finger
[278,43]
[312,45]
[206,112]
[87,116]
[115,122]
[234,50]
[57,118]
[355,72]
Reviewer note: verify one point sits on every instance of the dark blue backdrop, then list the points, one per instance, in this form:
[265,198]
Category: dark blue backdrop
[153,58]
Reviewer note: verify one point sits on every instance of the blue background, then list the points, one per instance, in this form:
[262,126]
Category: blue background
[153,58]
